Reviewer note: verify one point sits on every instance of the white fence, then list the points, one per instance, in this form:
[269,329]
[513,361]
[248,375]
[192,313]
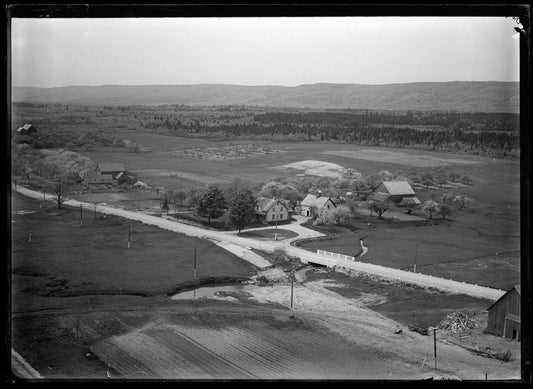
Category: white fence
[335,255]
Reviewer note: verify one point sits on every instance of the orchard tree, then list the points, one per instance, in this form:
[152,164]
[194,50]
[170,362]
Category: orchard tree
[430,207]
[454,176]
[165,204]
[441,180]
[447,198]
[444,210]
[466,180]
[380,207]
[462,201]
[193,197]
[340,214]
[179,196]
[212,204]
[241,209]
[410,203]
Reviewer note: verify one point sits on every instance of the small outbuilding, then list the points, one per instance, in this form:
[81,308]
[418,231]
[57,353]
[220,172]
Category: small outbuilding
[271,210]
[504,315]
[397,192]
[26,129]
[312,203]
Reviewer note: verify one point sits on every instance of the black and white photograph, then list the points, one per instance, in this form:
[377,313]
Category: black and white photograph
[266,197]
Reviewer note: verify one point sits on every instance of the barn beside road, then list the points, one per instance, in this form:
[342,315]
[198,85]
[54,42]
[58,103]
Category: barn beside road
[504,315]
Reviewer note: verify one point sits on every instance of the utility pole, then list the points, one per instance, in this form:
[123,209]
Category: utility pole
[44,202]
[129,234]
[95,211]
[435,346]
[81,215]
[292,287]
[194,264]
[416,253]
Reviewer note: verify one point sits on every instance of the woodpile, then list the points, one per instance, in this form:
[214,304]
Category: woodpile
[456,322]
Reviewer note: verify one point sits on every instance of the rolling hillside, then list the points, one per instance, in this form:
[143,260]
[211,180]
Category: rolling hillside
[457,96]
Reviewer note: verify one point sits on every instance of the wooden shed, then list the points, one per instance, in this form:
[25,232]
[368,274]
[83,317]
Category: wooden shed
[504,315]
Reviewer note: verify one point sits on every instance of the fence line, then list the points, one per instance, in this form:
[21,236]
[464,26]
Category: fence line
[336,255]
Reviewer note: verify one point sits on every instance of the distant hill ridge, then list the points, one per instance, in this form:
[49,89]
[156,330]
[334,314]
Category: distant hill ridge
[476,96]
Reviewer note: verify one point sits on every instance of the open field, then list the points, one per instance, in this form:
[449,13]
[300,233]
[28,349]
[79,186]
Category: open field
[66,259]
[405,158]
[262,167]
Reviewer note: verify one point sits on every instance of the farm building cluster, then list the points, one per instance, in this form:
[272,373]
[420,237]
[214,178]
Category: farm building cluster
[105,173]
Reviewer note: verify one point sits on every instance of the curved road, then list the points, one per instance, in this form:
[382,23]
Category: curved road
[304,255]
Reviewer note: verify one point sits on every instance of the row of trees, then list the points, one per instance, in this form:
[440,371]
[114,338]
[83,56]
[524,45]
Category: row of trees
[430,207]
[236,202]
[481,121]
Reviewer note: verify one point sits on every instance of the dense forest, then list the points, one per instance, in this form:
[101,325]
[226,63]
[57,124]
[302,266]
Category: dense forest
[488,134]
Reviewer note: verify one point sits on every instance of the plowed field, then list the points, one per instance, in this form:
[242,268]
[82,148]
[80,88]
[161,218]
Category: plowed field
[246,350]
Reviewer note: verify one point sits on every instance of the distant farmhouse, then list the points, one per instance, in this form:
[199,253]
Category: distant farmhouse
[105,173]
[271,210]
[397,192]
[95,177]
[26,129]
[111,168]
[504,315]
[312,203]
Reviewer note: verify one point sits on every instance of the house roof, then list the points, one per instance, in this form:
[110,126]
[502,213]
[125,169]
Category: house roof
[398,187]
[25,127]
[377,196]
[309,200]
[265,204]
[516,287]
[111,167]
[312,200]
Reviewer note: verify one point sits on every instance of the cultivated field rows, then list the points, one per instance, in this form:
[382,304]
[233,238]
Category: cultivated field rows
[250,350]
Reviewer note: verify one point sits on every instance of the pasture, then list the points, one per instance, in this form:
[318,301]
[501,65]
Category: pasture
[64,259]
[177,159]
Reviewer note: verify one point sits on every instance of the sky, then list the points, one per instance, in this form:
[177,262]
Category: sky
[287,51]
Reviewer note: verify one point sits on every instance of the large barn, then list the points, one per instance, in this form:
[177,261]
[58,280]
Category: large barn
[504,315]
[395,192]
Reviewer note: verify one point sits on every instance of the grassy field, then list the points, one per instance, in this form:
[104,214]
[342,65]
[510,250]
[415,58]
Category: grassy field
[65,259]
[268,234]
[263,167]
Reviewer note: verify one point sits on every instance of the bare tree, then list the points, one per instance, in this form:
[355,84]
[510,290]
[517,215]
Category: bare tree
[59,190]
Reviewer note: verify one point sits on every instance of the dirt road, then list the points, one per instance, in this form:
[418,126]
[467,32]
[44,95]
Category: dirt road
[304,255]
